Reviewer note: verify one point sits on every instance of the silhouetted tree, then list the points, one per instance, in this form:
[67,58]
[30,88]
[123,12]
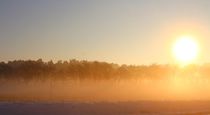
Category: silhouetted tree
[75,69]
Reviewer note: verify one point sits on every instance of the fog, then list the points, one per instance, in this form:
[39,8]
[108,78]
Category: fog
[87,81]
[90,90]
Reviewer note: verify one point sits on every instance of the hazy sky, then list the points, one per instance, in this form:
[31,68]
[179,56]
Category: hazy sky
[119,31]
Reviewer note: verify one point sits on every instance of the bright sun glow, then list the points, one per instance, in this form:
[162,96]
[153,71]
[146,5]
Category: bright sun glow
[185,49]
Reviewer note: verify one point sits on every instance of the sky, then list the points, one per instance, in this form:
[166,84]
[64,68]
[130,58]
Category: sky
[118,31]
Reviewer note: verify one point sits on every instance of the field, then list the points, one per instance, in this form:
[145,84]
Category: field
[103,108]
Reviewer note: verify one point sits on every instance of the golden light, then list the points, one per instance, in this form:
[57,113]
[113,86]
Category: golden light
[185,49]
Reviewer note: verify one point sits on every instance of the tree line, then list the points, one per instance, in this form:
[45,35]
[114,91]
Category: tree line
[82,69]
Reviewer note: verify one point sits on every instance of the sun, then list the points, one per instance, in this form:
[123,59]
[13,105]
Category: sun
[185,49]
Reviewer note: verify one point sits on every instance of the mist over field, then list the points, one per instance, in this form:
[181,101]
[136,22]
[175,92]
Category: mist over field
[93,81]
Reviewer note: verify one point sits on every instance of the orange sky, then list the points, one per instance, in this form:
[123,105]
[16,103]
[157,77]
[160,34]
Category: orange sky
[130,32]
